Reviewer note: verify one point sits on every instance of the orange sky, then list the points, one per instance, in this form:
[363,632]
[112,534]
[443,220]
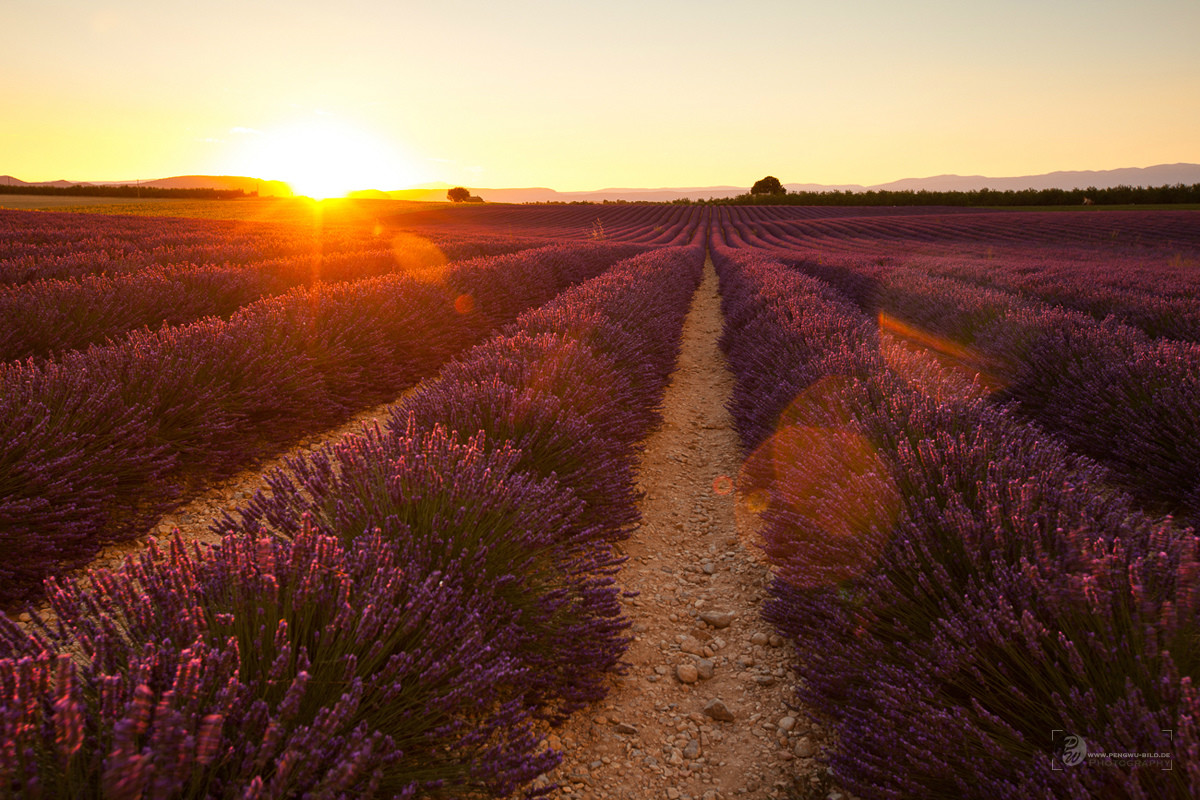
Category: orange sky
[585,96]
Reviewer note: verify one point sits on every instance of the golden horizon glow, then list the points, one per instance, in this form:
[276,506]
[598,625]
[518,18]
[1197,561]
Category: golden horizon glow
[577,97]
[320,158]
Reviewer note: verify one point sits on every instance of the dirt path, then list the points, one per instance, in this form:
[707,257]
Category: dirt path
[653,737]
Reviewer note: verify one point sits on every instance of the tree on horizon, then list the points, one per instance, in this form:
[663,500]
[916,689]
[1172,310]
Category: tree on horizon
[768,185]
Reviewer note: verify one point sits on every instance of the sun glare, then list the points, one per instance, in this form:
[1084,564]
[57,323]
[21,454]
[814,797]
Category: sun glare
[323,159]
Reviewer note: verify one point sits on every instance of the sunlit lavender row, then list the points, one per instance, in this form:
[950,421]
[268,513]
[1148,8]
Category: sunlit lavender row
[46,245]
[394,618]
[45,317]
[95,443]
[963,592]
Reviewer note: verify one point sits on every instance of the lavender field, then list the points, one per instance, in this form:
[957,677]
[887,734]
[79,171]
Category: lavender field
[970,446]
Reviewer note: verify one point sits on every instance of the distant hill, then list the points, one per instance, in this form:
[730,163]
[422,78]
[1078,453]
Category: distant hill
[248,185]
[9,180]
[1160,175]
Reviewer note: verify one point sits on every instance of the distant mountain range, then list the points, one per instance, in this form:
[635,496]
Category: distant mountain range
[264,188]
[1160,175]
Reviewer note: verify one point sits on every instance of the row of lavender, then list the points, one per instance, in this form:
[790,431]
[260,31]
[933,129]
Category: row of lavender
[1147,285]
[1110,391]
[641,223]
[973,609]
[1150,231]
[39,245]
[52,315]
[1151,295]
[1157,295]
[99,440]
[402,613]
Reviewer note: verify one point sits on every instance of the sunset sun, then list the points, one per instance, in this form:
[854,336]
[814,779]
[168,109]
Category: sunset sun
[323,159]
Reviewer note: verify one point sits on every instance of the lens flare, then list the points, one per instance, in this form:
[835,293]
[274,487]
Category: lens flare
[464,304]
[816,495]
[910,346]
[756,500]
[418,257]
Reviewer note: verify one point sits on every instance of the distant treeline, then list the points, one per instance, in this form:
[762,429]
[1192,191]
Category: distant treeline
[1117,195]
[87,190]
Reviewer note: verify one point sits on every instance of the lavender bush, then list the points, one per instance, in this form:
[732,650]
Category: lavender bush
[445,501]
[267,668]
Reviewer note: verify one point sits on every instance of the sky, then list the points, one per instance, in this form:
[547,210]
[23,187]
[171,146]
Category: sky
[582,96]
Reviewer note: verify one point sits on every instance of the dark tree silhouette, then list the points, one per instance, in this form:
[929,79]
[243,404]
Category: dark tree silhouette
[458,195]
[768,185]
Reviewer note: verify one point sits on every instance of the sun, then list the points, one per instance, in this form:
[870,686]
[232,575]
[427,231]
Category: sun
[326,158]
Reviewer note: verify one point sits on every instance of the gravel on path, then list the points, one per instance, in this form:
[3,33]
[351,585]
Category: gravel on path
[706,710]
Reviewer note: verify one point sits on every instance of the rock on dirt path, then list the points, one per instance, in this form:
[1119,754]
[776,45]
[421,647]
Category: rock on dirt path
[706,710]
